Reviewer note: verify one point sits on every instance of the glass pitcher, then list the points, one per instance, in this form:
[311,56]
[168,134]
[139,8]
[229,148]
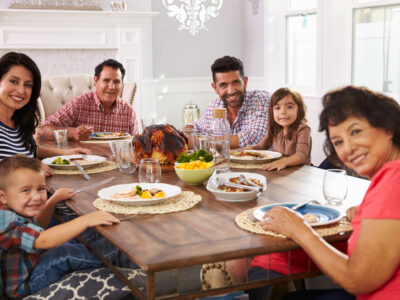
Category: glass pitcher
[190,113]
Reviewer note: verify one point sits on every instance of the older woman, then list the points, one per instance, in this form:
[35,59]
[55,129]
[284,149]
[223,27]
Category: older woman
[363,131]
[20,83]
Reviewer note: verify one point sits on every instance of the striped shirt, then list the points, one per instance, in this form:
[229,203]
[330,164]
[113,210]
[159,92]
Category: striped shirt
[18,258]
[11,142]
[87,109]
[251,122]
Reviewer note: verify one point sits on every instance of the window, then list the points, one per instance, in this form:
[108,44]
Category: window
[376,48]
[301,48]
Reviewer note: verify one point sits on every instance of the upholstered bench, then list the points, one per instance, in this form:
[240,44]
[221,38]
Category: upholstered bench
[98,283]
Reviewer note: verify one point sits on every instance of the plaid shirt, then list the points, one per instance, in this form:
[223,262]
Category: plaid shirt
[251,122]
[88,110]
[18,258]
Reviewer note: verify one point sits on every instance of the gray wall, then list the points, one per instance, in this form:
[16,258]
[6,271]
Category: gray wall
[236,31]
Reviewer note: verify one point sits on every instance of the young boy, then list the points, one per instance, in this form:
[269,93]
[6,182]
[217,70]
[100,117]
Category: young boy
[24,213]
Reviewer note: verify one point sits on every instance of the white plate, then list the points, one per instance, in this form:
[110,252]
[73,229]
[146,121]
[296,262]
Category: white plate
[93,160]
[234,196]
[108,192]
[267,156]
[325,215]
[93,136]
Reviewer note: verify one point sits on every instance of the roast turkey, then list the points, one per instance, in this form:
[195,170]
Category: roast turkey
[163,142]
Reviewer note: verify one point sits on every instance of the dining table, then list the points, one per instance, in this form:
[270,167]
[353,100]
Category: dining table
[204,234]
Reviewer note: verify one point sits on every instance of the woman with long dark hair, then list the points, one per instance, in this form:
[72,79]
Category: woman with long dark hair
[20,83]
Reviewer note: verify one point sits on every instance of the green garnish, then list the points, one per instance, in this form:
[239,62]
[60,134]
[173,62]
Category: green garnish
[60,161]
[139,190]
[201,155]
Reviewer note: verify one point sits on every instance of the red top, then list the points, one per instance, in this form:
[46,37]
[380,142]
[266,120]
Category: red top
[382,201]
[88,110]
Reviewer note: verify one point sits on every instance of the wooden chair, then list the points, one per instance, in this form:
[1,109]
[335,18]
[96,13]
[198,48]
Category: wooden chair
[58,90]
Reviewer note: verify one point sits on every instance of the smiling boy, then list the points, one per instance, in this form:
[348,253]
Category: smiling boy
[24,213]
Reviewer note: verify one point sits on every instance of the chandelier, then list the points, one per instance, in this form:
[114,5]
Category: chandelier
[192,14]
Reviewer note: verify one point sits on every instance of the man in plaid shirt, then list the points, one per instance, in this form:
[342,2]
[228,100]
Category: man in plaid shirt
[100,111]
[247,110]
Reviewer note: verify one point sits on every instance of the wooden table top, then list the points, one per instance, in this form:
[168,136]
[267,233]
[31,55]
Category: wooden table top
[207,232]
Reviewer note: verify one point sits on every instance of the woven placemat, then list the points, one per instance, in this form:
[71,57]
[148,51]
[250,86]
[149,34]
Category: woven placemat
[103,167]
[184,201]
[105,141]
[244,221]
[234,165]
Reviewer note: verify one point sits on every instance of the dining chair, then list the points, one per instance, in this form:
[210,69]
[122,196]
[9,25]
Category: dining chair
[58,90]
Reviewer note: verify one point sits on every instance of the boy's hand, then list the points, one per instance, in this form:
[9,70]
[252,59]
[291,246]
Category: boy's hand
[100,218]
[61,195]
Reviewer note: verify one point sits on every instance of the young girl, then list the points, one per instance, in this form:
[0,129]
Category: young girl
[288,132]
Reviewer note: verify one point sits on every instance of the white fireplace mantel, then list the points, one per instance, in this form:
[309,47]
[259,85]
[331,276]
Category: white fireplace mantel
[78,29]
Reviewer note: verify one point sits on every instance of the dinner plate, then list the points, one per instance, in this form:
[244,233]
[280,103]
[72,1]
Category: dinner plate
[107,136]
[212,186]
[108,192]
[326,215]
[267,156]
[92,161]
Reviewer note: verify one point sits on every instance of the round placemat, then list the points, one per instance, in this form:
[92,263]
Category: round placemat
[244,221]
[184,201]
[105,141]
[245,166]
[103,167]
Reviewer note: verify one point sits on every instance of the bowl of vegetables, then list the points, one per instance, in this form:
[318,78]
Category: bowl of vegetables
[194,169]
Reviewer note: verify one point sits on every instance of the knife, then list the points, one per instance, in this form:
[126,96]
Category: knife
[94,185]
[85,175]
[247,187]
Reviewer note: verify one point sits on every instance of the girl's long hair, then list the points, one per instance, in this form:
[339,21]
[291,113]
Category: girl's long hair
[273,127]
[25,118]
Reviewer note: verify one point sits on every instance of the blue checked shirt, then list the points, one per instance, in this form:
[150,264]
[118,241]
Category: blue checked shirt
[251,122]
[18,258]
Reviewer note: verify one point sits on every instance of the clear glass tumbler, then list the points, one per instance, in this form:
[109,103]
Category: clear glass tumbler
[61,137]
[149,170]
[220,150]
[335,186]
[124,155]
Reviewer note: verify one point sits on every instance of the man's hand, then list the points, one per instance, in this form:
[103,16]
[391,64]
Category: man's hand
[80,133]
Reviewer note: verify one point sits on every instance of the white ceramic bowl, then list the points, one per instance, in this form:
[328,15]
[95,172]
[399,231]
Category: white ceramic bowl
[234,196]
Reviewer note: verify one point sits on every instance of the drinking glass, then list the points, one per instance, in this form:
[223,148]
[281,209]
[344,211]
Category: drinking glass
[335,186]
[220,150]
[189,133]
[124,155]
[61,137]
[149,170]
[202,142]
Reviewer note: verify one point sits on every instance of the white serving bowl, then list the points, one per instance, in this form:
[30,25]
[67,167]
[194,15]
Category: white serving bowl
[235,196]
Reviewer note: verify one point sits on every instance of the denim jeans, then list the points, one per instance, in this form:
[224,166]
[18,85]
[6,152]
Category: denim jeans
[60,261]
[258,273]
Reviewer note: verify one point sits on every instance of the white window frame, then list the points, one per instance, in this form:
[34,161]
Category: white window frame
[334,42]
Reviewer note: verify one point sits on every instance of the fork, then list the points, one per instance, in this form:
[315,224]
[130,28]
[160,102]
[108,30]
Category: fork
[130,217]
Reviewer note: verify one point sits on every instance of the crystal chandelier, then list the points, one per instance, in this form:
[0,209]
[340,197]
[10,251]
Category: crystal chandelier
[192,14]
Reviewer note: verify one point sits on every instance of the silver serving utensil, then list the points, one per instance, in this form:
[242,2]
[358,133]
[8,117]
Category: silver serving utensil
[94,185]
[243,178]
[227,183]
[80,168]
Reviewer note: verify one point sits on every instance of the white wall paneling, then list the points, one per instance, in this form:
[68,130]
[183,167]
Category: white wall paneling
[76,41]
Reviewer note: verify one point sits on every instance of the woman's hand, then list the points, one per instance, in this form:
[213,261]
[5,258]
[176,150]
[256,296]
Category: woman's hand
[284,221]
[78,150]
[47,170]
[351,212]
